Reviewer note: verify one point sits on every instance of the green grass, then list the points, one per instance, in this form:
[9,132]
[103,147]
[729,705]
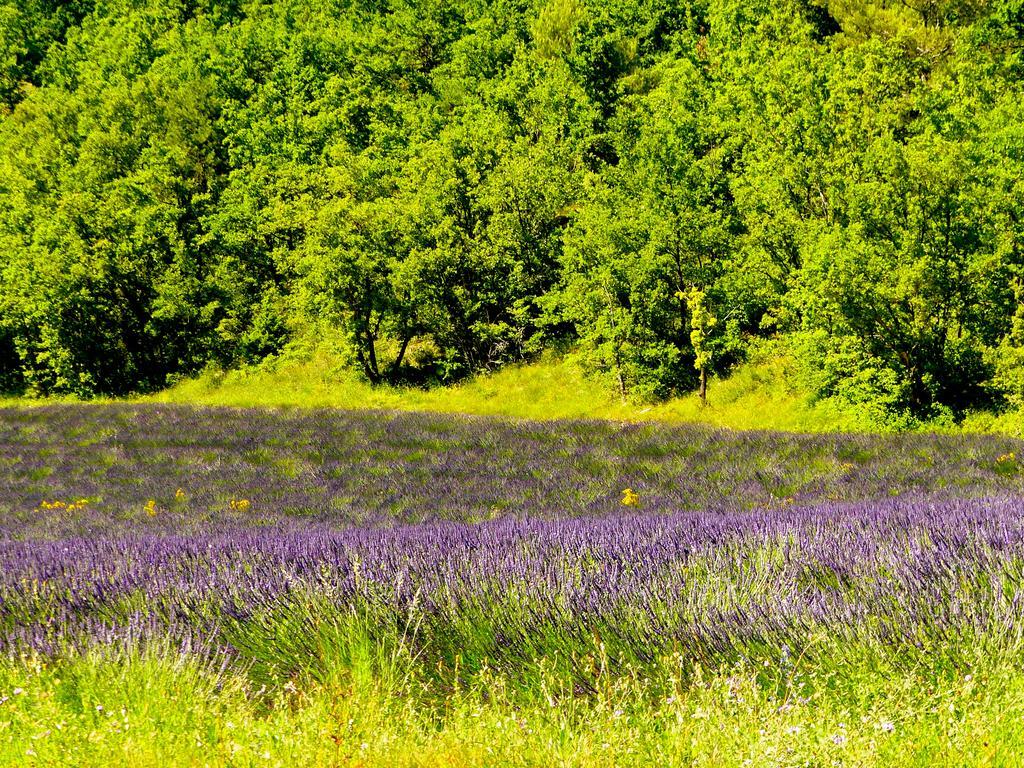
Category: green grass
[157,709]
[756,396]
[760,395]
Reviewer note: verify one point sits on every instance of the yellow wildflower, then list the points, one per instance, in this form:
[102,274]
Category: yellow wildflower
[630,498]
[65,505]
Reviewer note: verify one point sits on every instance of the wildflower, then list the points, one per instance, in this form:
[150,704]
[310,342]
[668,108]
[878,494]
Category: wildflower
[150,508]
[62,505]
[179,495]
[1007,463]
[887,726]
[839,739]
[240,505]
[784,656]
[630,498]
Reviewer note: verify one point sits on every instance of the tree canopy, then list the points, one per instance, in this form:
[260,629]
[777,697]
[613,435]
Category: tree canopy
[451,185]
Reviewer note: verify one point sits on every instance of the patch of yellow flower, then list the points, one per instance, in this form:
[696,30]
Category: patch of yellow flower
[179,496]
[150,508]
[67,506]
[1007,463]
[630,498]
[240,505]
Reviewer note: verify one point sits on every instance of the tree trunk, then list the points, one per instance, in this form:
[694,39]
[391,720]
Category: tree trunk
[397,364]
[702,393]
[371,348]
[370,371]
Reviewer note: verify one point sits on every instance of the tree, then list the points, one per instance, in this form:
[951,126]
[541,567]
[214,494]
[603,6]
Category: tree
[661,226]
[702,324]
[450,185]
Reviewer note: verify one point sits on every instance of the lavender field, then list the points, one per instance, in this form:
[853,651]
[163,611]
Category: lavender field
[428,562]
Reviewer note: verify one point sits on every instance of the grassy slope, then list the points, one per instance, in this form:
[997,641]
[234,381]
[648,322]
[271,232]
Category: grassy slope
[754,397]
[759,395]
[763,395]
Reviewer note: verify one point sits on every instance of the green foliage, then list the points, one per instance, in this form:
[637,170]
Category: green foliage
[1009,357]
[653,227]
[449,187]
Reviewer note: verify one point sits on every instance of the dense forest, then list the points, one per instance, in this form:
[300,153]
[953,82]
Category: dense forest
[450,185]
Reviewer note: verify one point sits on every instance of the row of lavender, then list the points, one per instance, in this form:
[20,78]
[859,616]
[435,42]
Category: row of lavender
[248,534]
[936,577]
[92,470]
